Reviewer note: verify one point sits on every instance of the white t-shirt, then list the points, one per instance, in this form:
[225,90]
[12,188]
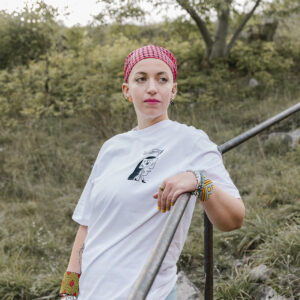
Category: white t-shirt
[118,207]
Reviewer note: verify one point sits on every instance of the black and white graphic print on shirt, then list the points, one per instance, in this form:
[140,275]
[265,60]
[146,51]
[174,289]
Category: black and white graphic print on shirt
[145,166]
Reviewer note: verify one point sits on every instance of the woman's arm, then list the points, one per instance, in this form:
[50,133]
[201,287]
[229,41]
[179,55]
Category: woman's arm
[223,210]
[76,254]
[78,247]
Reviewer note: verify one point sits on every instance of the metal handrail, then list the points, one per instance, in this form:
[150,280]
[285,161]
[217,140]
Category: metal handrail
[151,268]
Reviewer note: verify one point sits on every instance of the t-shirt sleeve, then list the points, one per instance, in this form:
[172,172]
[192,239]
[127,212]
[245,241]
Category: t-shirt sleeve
[208,160]
[83,208]
[82,211]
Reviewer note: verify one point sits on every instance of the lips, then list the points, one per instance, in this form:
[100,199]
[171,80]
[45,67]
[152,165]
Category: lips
[152,100]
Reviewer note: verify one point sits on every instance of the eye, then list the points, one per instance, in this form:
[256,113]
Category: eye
[163,79]
[140,79]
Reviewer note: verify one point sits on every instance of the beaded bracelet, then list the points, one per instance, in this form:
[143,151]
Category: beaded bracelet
[204,187]
[207,189]
[70,284]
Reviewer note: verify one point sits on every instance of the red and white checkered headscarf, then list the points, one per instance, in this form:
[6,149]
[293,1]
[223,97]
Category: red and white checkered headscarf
[150,51]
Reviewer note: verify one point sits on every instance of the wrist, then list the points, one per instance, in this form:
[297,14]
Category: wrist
[198,180]
[194,178]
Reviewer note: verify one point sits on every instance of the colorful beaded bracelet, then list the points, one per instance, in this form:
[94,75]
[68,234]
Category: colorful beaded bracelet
[204,187]
[70,284]
[207,189]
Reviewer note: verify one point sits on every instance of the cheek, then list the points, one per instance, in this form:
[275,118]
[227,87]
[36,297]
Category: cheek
[136,92]
[168,91]
[167,95]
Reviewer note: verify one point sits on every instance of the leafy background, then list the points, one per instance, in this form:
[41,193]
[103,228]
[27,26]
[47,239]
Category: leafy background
[60,99]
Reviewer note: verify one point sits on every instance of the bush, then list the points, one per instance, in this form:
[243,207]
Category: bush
[26,35]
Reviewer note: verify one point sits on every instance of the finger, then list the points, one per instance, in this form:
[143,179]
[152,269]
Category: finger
[155,195]
[175,197]
[160,192]
[169,201]
[164,197]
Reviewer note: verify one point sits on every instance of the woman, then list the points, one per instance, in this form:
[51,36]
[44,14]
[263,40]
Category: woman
[136,179]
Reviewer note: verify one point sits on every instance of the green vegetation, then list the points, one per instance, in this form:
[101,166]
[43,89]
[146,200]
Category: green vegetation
[60,103]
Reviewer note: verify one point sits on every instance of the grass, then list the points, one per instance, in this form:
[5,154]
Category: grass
[45,163]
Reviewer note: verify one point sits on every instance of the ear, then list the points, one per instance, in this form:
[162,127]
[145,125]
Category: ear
[125,90]
[174,90]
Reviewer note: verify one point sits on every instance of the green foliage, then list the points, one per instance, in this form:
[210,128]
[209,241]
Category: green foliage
[88,77]
[83,69]
[65,83]
[43,174]
[282,8]
[261,59]
[26,35]
[67,100]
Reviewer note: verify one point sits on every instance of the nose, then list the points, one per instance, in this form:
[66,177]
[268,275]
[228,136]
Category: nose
[151,88]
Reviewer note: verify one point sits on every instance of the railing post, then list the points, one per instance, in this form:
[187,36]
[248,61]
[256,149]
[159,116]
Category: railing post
[208,259]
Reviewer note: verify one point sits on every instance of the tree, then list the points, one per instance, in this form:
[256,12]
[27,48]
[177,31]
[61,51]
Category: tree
[217,46]
[219,43]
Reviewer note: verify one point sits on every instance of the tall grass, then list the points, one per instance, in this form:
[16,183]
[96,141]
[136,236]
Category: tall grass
[45,163]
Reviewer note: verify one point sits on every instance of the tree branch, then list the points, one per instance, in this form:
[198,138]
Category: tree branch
[242,25]
[200,23]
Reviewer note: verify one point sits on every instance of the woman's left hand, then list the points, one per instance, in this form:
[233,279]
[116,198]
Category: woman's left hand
[173,187]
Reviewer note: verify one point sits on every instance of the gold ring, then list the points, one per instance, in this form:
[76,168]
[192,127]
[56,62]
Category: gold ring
[161,188]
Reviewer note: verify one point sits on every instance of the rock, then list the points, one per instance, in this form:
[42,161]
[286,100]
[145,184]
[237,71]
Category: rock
[186,290]
[264,32]
[268,29]
[259,273]
[267,293]
[295,135]
[291,138]
[253,83]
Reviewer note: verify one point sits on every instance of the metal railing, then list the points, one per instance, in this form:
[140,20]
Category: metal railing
[151,268]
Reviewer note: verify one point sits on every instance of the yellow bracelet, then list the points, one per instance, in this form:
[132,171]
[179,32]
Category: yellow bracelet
[206,190]
[70,284]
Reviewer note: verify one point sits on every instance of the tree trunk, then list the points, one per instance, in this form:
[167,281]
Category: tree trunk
[219,46]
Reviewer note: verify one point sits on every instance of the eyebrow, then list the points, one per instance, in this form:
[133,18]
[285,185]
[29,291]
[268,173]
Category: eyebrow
[144,73]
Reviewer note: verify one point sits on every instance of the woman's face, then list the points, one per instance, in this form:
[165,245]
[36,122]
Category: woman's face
[151,87]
